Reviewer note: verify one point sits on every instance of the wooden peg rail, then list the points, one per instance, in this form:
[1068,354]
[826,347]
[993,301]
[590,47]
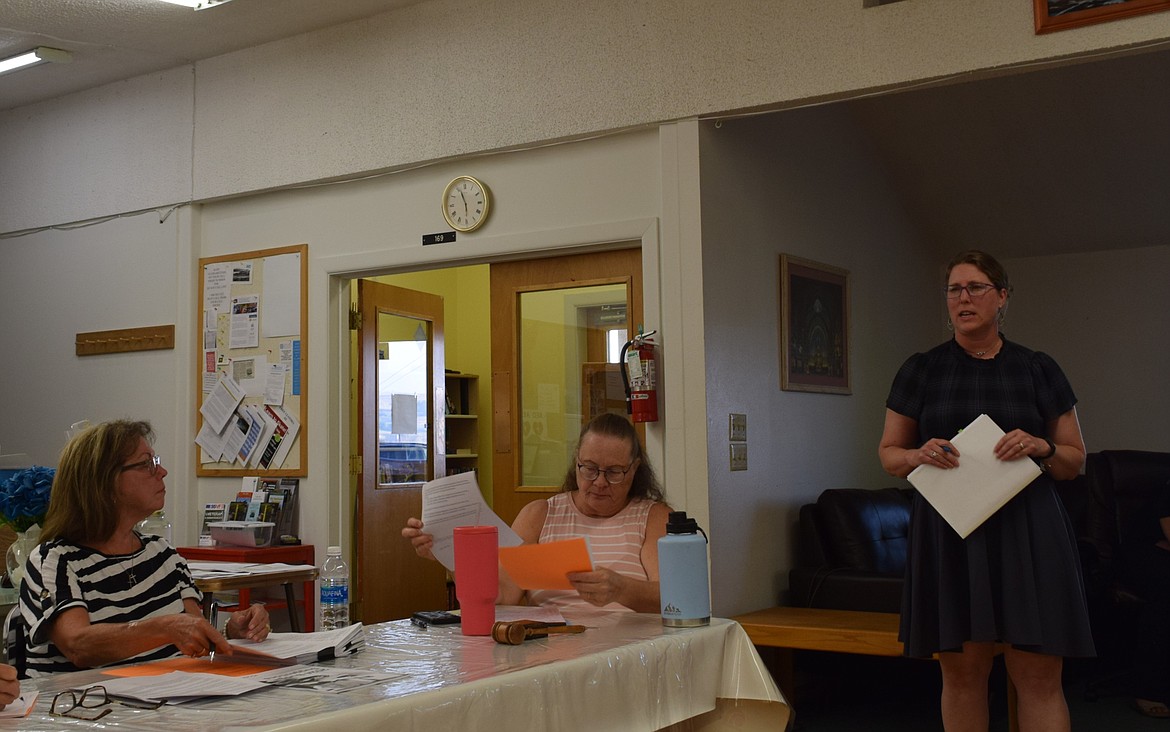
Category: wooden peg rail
[150,338]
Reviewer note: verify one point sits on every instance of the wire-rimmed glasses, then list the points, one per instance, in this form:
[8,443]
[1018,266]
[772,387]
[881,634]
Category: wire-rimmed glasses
[975,290]
[68,703]
[613,476]
[151,464]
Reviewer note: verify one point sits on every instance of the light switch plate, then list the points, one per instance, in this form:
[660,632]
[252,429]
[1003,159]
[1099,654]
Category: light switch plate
[739,456]
[737,427]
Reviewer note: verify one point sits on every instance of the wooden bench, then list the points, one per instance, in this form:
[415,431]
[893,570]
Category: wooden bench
[842,631]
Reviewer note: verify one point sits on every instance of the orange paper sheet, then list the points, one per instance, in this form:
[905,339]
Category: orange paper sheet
[545,566]
[223,666]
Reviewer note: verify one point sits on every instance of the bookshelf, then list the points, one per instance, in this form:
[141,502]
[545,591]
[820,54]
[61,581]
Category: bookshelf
[462,423]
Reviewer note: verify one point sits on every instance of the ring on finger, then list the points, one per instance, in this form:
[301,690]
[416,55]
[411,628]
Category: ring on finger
[1021,447]
[933,454]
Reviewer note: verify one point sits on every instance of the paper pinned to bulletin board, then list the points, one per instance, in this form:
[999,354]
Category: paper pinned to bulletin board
[253,385]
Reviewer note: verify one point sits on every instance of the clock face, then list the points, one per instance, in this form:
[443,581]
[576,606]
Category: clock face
[465,203]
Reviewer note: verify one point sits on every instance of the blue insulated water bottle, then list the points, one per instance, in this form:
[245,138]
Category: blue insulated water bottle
[682,573]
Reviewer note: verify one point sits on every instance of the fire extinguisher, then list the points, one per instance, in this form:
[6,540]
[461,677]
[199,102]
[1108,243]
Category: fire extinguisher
[639,377]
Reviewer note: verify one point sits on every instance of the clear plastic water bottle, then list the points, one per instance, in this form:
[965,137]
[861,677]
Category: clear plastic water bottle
[682,573]
[156,524]
[334,590]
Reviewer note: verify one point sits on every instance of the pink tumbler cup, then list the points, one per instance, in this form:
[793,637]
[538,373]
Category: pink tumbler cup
[477,577]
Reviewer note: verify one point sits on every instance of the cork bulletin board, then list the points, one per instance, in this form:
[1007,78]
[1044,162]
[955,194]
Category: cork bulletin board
[253,380]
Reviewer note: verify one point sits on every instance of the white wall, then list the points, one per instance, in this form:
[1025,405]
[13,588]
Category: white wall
[124,273]
[119,148]
[428,82]
[801,183]
[1103,317]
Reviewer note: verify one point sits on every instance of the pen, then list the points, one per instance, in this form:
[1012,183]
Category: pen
[212,657]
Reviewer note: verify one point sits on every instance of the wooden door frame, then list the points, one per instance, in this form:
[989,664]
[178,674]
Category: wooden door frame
[332,277]
[505,384]
[422,306]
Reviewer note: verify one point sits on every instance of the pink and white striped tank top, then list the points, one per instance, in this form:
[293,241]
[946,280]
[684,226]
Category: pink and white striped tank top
[615,543]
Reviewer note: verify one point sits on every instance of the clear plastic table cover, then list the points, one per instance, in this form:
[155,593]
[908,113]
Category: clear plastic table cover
[625,672]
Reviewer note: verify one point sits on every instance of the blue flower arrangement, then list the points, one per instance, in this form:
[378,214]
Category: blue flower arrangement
[24,498]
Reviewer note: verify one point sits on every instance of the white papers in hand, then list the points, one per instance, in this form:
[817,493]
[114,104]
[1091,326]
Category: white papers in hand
[967,495]
[456,501]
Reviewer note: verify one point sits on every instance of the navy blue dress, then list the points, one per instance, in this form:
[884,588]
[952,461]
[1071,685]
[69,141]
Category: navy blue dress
[1016,579]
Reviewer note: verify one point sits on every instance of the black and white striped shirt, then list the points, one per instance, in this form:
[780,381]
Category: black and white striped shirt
[61,575]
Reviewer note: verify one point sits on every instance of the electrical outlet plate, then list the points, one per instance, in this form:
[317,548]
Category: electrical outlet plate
[739,456]
[737,427]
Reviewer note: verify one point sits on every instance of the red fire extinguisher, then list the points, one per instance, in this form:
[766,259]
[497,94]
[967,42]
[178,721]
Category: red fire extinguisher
[639,377]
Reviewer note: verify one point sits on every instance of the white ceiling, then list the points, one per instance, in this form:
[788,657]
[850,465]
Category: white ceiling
[113,40]
[1069,159]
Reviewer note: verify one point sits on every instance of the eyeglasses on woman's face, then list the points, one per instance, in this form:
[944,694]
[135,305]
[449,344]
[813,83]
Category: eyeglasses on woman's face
[150,465]
[975,290]
[613,476]
[70,702]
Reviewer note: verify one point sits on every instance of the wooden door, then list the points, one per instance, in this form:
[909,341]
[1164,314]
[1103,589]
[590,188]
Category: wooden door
[542,361]
[402,438]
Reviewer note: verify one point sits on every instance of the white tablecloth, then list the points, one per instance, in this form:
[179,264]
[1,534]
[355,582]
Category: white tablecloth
[627,672]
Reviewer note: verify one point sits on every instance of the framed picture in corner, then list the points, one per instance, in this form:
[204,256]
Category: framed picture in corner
[1055,15]
[814,327]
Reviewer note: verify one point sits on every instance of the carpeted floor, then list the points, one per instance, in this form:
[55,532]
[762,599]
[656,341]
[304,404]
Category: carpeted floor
[836,692]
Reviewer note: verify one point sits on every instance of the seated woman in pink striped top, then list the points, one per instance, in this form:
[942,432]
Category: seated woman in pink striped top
[610,495]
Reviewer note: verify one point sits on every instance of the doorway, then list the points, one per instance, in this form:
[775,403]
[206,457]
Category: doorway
[401,387]
[558,325]
[573,311]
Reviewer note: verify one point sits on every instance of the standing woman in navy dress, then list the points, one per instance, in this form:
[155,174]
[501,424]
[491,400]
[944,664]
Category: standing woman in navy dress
[1016,579]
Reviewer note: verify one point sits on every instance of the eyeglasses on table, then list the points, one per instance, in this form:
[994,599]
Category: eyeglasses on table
[71,702]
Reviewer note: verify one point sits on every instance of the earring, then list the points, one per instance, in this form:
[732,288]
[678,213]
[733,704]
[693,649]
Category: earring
[950,325]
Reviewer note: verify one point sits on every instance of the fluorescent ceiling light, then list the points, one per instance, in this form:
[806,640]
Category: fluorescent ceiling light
[36,56]
[197,4]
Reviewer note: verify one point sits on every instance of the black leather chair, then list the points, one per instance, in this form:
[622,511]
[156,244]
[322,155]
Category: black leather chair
[851,552]
[1121,487]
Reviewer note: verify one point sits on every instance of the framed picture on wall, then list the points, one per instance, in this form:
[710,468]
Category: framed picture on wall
[1055,15]
[814,327]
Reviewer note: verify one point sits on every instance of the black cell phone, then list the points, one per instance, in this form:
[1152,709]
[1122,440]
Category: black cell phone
[423,618]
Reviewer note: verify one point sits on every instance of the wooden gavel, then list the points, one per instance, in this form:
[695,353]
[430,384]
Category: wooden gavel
[515,632]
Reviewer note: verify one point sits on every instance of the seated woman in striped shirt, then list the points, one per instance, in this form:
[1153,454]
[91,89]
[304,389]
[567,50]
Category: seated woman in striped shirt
[612,497]
[98,593]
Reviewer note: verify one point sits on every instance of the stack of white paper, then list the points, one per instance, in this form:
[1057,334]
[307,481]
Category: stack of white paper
[967,495]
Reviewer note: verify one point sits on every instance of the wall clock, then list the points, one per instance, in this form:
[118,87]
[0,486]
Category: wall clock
[466,203]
